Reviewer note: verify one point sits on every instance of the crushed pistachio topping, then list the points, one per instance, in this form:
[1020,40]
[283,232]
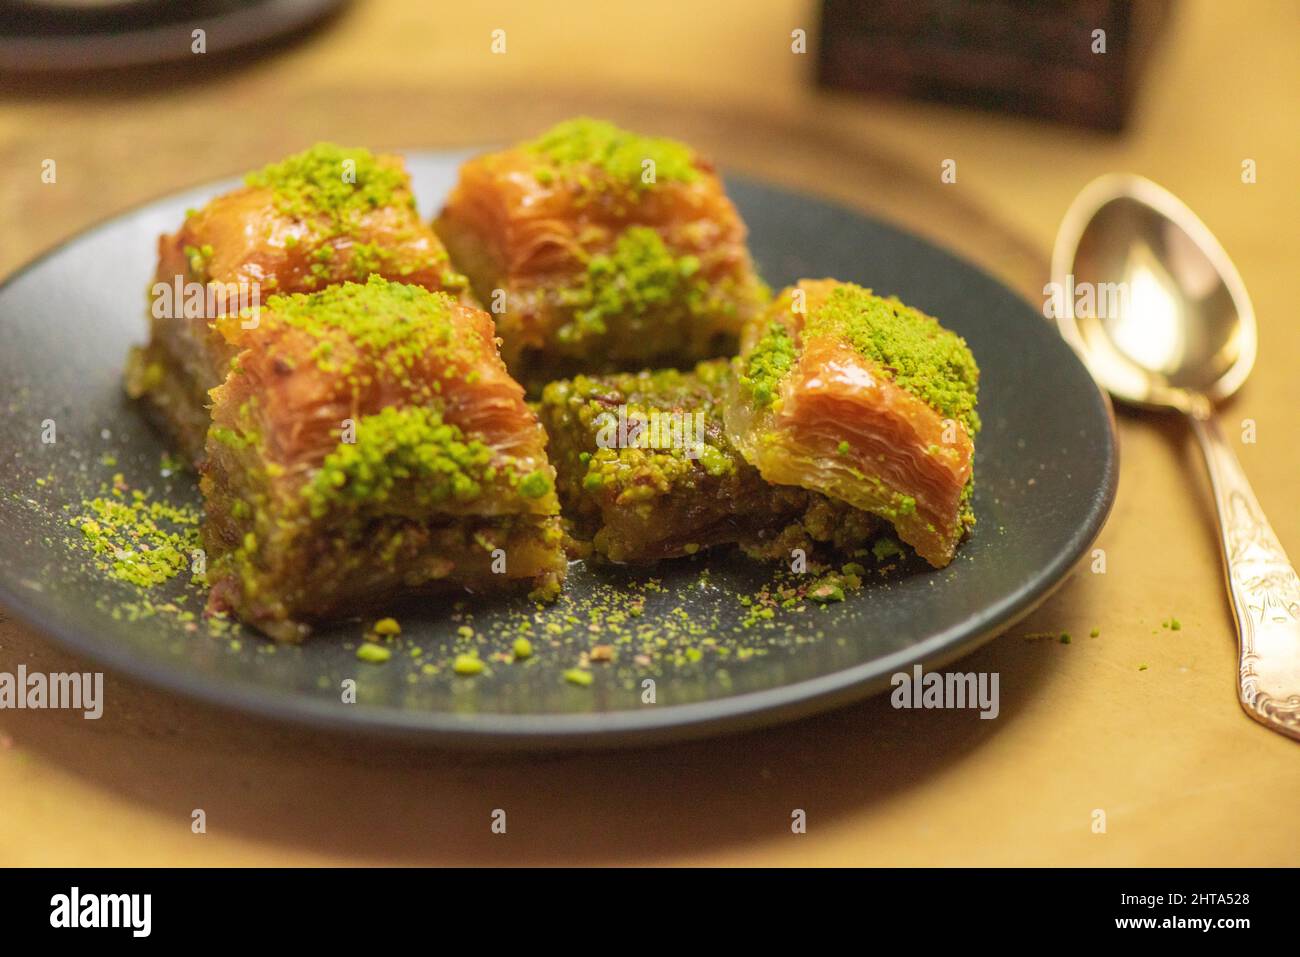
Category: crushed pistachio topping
[535,484]
[329,190]
[927,360]
[413,448]
[577,147]
[768,362]
[638,280]
[399,324]
[199,258]
[333,182]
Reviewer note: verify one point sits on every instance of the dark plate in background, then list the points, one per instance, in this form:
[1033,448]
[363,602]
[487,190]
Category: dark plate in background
[1045,480]
[56,36]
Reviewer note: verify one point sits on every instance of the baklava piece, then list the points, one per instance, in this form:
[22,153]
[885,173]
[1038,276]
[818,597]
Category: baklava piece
[598,250]
[323,216]
[367,443]
[646,472]
[866,400]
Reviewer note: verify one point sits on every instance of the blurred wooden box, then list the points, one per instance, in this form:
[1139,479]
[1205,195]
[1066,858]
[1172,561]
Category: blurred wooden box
[1031,57]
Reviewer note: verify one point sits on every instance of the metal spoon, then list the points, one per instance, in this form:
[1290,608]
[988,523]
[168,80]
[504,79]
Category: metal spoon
[1169,326]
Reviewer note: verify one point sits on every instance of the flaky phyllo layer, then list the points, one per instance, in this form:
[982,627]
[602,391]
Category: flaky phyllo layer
[599,250]
[863,399]
[367,442]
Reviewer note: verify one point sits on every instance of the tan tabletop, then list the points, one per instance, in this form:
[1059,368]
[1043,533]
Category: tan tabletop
[1182,775]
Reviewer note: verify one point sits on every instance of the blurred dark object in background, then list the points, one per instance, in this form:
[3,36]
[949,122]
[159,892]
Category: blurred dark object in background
[38,36]
[1033,57]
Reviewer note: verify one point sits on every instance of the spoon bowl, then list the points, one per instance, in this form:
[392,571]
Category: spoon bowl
[1150,297]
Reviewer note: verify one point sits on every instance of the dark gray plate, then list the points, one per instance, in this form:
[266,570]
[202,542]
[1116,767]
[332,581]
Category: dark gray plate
[1046,474]
[48,36]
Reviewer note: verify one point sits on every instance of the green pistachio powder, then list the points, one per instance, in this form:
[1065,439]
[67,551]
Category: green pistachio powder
[628,627]
[329,189]
[410,448]
[312,184]
[146,543]
[919,355]
[579,147]
[639,278]
[135,540]
[141,543]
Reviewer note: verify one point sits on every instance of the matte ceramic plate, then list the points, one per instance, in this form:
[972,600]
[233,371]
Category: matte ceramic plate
[1045,468]
[50,36]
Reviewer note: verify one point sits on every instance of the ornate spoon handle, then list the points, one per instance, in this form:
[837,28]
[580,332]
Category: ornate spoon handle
[1264,587]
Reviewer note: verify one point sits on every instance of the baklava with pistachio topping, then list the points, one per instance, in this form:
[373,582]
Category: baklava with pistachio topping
[323,216]
[599,250]
[865,400]
[646,472]
[368,442]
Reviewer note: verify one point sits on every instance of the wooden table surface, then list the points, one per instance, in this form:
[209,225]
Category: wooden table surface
[1182,775]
